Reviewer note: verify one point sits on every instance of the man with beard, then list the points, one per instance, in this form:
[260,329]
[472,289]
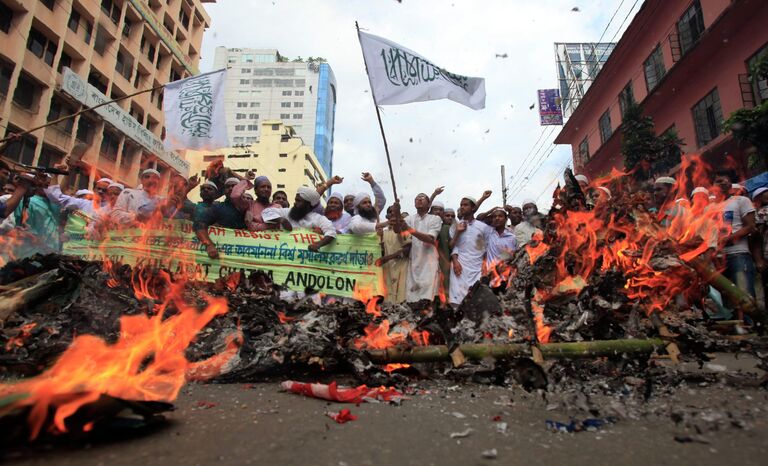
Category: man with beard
[334,211]
[301,215]
[253,210]
[138,204]
[208,193]
[443,244]
[395,246]
[349,204]
[366,218]
[223,214]
[281,198]
[35,216]
[501,245]
[526,228]
[423,274]
[93,204]
[468,249]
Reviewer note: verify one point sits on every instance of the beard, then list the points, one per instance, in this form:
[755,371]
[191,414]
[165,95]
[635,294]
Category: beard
[368,214]
[297,213]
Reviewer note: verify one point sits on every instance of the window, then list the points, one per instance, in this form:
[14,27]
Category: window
[253,127]
[27,93]
[280,186]
[48,3]
[184,18]
[100,44]
[124,65]
[298,116]
[49,156]
[6,71]
[298,104]
[239,127]
[64,60]
[85,130]
[708,118]
[6,18]
[240,116]
[21,150]
[275,127]
[39,45]
[284,116]
[584,150]
[253,116]
[247,58]
[298,93]
[111,9]
[281,170]
[252,140]
[759,87]
[245,81]
[626,98]
[283,155]
[654,69]
[690,27]
[74,20]
[245,70]
[605,126]
[285,104]
[287,92]
[242,104]
[255,104]
[238,140]
[109,145]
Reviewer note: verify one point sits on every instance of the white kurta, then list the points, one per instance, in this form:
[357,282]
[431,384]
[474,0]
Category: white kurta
[360,224]
[309,221]
[524,232]
[129,202]
[470,248]
[424,272]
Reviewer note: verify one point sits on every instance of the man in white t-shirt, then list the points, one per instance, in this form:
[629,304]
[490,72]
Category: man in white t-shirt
[739,214]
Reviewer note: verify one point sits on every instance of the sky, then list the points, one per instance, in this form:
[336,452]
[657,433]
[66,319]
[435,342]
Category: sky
[437,143]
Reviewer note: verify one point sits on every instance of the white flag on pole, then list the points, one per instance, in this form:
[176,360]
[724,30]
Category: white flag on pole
[194,112]
[401,76]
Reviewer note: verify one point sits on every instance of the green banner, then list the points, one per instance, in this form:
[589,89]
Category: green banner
[337,269]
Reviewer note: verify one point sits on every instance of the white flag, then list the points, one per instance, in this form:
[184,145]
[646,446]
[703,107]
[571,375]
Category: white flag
[400,76]
[194,112]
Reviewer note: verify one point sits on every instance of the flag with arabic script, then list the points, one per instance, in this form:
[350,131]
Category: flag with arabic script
[194,112]
[401,76]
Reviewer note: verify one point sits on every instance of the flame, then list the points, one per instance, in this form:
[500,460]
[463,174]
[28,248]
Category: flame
[536,247]
[365,295]
[284,319]
[146,363]
[393,367]
[543,331]
[378,337]
[18,341]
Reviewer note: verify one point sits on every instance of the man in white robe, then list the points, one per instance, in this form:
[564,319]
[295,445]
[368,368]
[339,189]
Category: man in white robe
[424,272]
[469,247]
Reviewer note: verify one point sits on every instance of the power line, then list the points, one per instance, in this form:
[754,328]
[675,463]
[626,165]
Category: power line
[535,167]
[543,130]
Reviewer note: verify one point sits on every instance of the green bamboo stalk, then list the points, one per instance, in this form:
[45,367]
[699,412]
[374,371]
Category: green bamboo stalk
[741,300]
[571,350]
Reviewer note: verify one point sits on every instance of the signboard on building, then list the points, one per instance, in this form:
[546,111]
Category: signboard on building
[89,96]
[550,110]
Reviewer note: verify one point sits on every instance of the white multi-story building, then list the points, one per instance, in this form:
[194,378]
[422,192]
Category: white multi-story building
[263,85]
[577,67]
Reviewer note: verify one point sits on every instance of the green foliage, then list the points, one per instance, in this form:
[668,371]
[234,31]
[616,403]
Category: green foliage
[640,145]
[750,125]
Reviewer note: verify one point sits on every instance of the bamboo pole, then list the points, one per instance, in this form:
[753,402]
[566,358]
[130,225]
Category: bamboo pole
[572,350]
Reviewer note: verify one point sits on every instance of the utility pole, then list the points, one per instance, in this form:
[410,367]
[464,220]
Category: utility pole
[503,186]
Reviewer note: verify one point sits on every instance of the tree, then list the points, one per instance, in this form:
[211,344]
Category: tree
[641,147]
[750,125]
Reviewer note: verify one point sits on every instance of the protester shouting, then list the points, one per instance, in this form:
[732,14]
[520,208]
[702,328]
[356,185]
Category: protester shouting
[301,215]
[138,204]
[253,209]
[468,246]
[423,274]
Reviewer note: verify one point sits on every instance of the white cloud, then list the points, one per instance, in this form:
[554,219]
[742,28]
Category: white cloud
[450,144]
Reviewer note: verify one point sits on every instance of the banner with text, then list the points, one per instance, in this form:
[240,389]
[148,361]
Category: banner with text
[337,269]
[550,109]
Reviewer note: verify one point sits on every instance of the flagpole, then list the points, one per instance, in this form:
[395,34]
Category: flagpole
[67,117]
[378,116]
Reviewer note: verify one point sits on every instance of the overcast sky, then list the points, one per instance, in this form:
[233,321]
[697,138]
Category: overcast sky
[439,142]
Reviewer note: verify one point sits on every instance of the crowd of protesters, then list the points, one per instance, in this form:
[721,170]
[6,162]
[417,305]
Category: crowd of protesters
[434,253]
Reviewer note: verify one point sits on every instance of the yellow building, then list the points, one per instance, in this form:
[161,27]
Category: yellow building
[60,56]
[279,155]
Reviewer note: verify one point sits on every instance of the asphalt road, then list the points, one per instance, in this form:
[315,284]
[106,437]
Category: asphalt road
[258,424]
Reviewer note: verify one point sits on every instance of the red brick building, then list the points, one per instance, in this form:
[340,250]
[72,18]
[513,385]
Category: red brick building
[686,63]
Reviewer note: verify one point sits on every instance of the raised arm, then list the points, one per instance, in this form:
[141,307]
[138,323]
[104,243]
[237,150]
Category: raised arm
[323,187]
[238,201]
[378,193]
[486,195]
[70,203]
[438,191]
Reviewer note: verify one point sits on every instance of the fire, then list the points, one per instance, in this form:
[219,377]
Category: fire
[284,319]
[365,295]
[378,337]
[536,248]
[147,363]
[393,367]
[18,341]
[543,331]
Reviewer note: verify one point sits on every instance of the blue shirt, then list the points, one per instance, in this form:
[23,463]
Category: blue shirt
[498,243]
[41,220]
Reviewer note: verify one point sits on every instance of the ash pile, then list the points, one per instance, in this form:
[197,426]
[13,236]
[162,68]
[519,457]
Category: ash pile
[490,338]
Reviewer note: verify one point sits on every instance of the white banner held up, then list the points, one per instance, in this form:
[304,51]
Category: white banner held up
[194,112]
[401,76]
